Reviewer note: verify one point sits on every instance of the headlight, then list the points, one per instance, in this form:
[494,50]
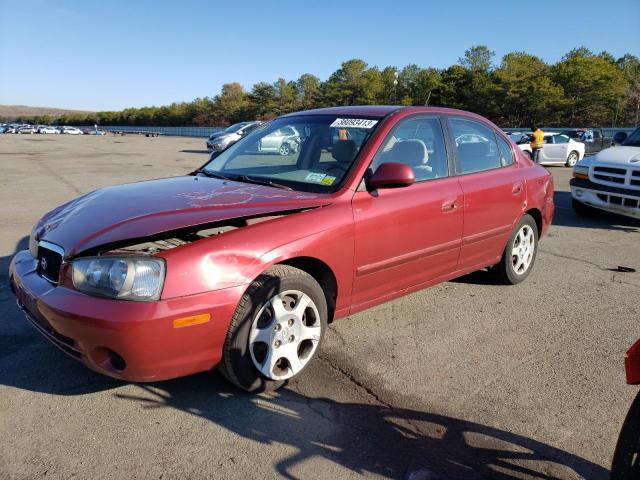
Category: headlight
[124,278]
[33,243]
[581,171]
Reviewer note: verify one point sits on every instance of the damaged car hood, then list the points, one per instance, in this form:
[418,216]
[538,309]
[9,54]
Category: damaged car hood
[138,210]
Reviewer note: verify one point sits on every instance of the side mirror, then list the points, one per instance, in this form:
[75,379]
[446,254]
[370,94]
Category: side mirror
[619,138]
[391,175]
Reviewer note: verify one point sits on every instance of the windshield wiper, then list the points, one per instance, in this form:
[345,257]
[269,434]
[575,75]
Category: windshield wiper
[243,178]
[211,174]
[261,181]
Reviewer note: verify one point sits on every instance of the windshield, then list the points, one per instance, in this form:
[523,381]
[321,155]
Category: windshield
[633,140]
[234,128]
[308,153]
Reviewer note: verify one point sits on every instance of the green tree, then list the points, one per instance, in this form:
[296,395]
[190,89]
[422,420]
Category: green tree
[478,57]
[309,92]
[353,84]
[232,103]
[594,87]
[525,92]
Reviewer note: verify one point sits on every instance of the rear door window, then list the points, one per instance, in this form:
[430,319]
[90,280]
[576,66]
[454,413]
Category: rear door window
[476,147]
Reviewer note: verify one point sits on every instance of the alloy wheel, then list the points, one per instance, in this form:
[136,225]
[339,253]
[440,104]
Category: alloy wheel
[285,334]
[522,250]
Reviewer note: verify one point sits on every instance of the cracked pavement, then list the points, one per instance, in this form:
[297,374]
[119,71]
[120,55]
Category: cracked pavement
[464,380]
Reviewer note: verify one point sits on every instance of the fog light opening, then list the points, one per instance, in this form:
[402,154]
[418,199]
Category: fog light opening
[108,359]
[117,361]
[578,193]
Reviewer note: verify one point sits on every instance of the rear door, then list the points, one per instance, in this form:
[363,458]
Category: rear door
[408,236]
[494,192]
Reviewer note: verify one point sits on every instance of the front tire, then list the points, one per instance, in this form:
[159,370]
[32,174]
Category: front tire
[572,159]
[275,331]
[284,149]
[520,253]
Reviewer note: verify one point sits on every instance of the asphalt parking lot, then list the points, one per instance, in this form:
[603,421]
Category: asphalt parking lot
[463,380]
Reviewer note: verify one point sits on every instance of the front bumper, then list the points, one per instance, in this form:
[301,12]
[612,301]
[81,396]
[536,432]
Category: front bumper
[134,341]
[622,201]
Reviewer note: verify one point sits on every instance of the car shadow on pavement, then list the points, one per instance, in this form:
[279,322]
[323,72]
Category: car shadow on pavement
[196,151]
[366,438]
[565,217]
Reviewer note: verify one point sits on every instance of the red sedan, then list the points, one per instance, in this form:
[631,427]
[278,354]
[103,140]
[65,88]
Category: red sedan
[242,264]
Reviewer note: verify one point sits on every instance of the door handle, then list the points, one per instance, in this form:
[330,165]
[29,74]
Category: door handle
[517,188]
[449,206]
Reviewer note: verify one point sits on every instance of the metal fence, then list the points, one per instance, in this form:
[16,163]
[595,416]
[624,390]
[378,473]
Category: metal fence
[206,131]
[171,131]
[609,132]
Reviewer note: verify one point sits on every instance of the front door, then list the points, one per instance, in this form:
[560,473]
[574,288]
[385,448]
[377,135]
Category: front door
[407,236]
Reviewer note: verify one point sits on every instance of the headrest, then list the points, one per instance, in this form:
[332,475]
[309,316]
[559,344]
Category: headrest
[412,152]
[344,151]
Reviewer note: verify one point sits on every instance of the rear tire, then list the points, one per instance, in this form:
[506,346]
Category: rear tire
[583,209]
[520,253]
[246,357]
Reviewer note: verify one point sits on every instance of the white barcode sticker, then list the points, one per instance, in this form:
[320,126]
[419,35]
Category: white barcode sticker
[353,123]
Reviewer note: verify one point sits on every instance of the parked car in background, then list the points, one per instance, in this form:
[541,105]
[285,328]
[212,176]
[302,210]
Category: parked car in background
[11,128]
[594,139]
[48,130]
[243,263]
[230,135]
[70,131]
[26,129]
[558,149]
[284,140]
[609,180]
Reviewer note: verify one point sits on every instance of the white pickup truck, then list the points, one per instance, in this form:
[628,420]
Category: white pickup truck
[610,180]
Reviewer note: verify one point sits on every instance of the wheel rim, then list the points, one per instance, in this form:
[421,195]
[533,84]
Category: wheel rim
[284,149]
[522,250]
[285,334]
[572,160]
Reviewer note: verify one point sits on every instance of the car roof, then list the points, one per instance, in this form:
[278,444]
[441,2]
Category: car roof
[379,111]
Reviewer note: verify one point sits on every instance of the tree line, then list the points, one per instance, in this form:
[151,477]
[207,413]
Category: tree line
[582,89]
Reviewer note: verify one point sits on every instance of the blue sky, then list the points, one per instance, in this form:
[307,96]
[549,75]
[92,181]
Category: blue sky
[100,55]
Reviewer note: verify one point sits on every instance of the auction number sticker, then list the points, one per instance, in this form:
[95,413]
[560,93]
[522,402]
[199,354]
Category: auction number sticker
[353,123]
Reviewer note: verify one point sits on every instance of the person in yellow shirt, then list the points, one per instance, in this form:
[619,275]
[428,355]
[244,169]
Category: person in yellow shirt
[537,142]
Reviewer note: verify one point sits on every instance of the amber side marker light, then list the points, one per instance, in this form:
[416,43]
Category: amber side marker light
[581,176]
[193,320]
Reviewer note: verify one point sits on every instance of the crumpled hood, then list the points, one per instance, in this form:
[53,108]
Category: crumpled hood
[619,156]
[142,209]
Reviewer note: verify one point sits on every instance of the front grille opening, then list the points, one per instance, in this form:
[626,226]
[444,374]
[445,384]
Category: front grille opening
[608,178]
[615,200]
[617,171]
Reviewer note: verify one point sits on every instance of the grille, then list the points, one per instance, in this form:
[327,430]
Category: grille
[49,261]
[617,200]
[616,176]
